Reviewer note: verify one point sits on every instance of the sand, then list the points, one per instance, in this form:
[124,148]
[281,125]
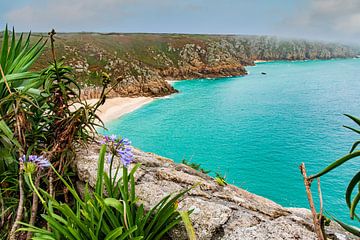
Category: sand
[114,108]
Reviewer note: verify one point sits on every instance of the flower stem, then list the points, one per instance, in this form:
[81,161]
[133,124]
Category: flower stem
[35,189]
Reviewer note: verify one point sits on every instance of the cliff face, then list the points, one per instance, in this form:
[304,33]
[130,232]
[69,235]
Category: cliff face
[141,63]
[219,212]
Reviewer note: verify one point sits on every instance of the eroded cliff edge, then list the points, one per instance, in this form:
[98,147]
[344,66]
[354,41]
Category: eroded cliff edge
[141,63]
[227,213]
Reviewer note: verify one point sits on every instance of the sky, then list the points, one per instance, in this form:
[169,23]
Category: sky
[331,20]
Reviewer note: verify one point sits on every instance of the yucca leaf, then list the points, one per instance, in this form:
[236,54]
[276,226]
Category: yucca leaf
[351,229]
[336,164]
[354,146]
[18,45]
[354,204]
[11,53]
[4,48]
[354,181]
[355,119]
[352,129]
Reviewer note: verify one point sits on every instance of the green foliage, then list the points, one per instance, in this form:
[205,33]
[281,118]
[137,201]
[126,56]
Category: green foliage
[220,179]
[352,195]
[195,166]
[39,112]
[118,216]
[16,57]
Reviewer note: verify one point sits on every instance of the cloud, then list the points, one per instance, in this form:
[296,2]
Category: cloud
[334,19]
[74,14]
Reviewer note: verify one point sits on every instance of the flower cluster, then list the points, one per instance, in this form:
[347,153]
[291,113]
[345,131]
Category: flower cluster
[34,161]
[120,147]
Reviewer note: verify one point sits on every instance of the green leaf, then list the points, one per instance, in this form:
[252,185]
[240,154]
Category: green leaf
[356,120]
[349,228]
[355,180]
[4,48]
[354,146]
[114,234]
[100,172]
[188,226]
[336,164]
[353,205]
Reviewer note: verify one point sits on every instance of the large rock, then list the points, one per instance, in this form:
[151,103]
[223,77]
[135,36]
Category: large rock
[226,213]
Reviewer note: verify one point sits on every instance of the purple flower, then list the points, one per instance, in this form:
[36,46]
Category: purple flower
[119,147]
[126,156]
[40,161]
[113,137]
[109,157]
[126,142]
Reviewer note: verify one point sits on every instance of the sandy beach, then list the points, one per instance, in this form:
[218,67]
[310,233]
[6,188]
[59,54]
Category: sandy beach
[260,61]
[114,108]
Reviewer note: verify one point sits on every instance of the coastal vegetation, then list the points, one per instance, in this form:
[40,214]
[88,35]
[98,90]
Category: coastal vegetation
[42,124]
[352,193]
[140,63]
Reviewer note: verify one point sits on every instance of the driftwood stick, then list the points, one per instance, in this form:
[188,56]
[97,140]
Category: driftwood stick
[307,183]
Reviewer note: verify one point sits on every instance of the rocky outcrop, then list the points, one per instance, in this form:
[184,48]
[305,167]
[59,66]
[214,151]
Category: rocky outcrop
[219,212]
[140,63]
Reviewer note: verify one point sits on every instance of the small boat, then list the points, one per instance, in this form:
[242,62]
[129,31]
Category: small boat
[263,73]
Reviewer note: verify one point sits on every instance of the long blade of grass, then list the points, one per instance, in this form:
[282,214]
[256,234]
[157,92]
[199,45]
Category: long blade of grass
[99,189]
[188,226]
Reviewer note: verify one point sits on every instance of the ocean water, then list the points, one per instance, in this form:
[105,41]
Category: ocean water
[257,129]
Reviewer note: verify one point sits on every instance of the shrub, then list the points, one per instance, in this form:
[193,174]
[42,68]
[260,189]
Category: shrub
[116,216]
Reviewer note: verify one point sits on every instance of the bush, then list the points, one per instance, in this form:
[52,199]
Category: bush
[116,216]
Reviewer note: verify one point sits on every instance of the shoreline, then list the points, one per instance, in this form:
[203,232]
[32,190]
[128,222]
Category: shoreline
[117,107]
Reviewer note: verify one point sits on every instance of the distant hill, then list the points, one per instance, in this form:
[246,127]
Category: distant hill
[142,62]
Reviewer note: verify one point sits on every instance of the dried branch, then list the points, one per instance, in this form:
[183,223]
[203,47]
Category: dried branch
[317,223]
[35,204]
[19,213]
[6,83]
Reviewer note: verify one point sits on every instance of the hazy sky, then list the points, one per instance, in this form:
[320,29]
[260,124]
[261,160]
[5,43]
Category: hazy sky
[334,20]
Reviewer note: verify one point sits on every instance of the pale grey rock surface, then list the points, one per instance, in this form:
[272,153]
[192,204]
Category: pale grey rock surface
[226,213]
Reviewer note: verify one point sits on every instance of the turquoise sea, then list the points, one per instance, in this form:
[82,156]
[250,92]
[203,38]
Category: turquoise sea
[257,129]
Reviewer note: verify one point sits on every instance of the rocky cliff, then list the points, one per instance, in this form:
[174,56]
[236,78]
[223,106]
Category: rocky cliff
[140,63]
[219,212]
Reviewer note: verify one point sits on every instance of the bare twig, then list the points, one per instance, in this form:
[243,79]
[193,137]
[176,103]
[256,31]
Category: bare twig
[19,213]
[51,190]
[320,198]
[317,223]
[35,204]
